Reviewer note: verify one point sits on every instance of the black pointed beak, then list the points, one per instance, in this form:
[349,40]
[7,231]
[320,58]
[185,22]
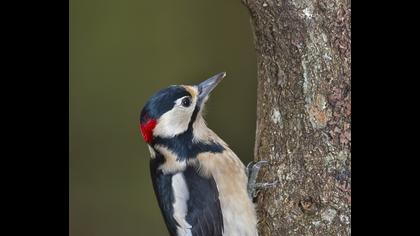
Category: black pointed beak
[205,87]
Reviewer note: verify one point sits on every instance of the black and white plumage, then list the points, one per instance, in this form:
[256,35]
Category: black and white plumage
[199,182]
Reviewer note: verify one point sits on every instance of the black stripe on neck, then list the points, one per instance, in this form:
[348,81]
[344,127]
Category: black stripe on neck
[184,147]
[193,117]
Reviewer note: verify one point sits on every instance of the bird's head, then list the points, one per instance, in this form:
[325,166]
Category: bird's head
[173,110]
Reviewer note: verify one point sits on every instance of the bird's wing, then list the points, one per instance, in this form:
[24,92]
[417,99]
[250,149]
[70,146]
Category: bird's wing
[162,184]
[188,201]
[204,212]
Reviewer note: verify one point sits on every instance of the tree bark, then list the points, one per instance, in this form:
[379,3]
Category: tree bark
[303,115]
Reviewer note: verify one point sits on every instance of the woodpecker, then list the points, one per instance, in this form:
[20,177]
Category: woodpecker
[201,185]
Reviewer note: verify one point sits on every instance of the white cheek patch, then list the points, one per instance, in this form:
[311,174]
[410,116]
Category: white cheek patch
[175,121]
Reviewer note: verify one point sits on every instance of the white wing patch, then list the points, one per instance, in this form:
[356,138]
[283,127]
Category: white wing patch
[181,195]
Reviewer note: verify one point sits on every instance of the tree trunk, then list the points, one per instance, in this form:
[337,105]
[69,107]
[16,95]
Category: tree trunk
[303,115]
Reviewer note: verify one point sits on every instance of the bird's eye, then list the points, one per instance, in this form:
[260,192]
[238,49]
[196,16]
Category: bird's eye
[186,102]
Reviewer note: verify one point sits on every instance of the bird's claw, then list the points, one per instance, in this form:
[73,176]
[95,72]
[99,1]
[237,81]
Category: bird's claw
[252,170]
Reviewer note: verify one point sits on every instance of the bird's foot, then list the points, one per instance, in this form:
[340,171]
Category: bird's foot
[252,170]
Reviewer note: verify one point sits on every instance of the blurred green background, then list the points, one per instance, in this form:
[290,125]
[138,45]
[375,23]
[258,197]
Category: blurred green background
[120,53]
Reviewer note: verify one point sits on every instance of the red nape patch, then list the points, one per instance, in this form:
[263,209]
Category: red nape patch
[147,130]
